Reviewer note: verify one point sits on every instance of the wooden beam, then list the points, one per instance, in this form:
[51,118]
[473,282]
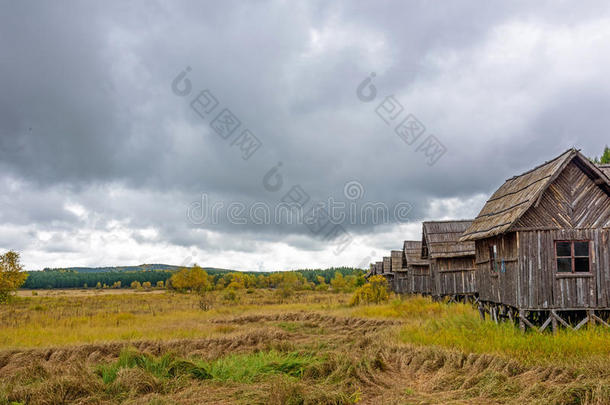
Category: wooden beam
[564,323]
[523,319]
[598,319]
[581,323]
[545,324]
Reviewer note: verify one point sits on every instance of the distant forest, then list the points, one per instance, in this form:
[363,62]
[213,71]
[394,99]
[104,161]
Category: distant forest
[109,277]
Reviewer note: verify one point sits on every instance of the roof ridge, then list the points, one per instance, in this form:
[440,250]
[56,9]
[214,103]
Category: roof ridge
[571,150]
[447,220]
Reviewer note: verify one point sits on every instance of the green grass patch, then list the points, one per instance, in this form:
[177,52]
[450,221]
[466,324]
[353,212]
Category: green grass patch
[243,368]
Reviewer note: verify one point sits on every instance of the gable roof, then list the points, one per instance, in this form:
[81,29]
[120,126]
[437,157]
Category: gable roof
[412,249]
[605,169]
[442,239]
[519,193]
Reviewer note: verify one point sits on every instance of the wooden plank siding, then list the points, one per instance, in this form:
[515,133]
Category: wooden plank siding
[399,263]
[420,281]
[454,275]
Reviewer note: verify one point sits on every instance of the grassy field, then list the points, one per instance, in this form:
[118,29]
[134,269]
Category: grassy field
[261,348]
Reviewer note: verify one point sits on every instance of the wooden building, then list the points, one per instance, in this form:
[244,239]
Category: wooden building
[542,244]
[414,275]
[379,268]
[452,263]
[398,260]
[387,269]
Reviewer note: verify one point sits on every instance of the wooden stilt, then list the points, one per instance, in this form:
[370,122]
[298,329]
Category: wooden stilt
[522,321]
[591,316]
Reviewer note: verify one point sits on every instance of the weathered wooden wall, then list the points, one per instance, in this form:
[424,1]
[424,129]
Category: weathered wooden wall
[387,264]
[454,276]
[420,281]
[501,286]
[398,260]
[529,279]
[571,201]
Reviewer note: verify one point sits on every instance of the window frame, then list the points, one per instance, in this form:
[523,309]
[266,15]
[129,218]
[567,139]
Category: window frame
[572,256]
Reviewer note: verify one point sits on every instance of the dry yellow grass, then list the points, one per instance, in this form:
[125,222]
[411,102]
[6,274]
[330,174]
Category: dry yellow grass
[309,348]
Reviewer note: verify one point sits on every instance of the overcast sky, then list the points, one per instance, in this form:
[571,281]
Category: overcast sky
[109,157]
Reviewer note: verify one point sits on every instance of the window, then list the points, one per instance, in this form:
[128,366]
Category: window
[572,256]
[493,258]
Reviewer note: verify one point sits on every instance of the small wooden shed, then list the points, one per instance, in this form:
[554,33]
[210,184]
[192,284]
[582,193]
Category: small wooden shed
[398,260]
[387,269]
[415,276]
[379,268]
[542,244]
[452,263]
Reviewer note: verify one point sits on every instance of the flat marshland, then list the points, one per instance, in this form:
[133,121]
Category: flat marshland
[259,347]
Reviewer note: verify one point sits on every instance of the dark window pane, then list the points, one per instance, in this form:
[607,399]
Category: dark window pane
[581,248]
[564,249]
[564,265]
[581,264]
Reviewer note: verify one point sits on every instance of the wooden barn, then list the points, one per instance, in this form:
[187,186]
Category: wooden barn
[414,276]
[379,268]
[398,260]
[542,245]
[387,269]
[452,263]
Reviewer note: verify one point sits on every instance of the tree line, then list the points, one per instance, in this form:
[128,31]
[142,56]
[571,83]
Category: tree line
[58,278]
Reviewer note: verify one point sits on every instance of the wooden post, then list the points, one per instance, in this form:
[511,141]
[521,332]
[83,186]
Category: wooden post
[521,322]
[482,311]
[553,322]
[591,315]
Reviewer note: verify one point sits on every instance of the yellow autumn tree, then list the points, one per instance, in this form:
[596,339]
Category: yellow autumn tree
[191,278]
[12,275]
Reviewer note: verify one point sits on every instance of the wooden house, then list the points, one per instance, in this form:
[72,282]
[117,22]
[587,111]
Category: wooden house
[542,244]
[399,268]
[414,277]
[387,269]
[398,260]
[452,263]
[378,268]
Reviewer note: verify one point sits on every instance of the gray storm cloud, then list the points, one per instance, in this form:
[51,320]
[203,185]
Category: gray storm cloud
[98,152]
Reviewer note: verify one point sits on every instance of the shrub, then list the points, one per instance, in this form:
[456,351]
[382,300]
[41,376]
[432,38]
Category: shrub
[373,292]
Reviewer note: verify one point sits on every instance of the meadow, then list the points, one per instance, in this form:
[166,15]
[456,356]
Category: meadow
[262,347]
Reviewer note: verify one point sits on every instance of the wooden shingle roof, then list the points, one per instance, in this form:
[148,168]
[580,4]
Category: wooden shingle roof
[412,249]
[519,193]
[442,239]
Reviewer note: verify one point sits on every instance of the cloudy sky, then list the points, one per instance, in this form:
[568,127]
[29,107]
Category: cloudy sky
[119,135]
